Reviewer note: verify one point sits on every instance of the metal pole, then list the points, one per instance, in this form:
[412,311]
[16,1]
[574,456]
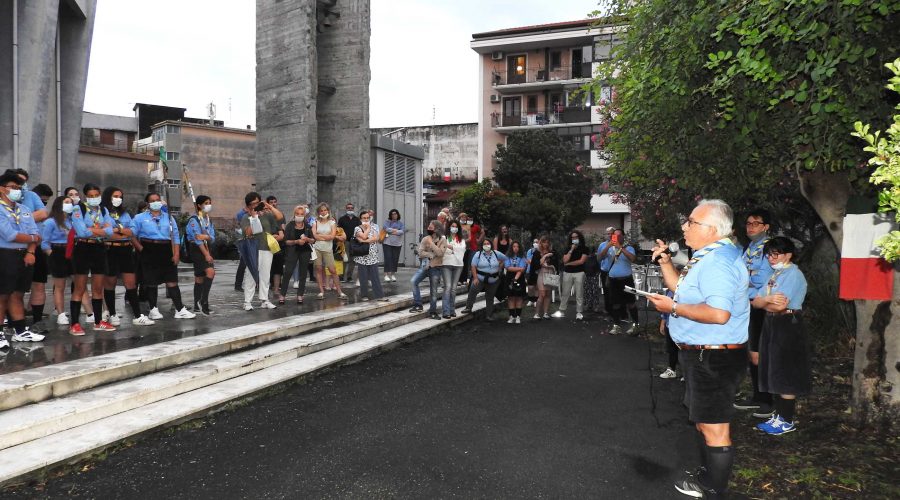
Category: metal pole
[58,117]
[15,85]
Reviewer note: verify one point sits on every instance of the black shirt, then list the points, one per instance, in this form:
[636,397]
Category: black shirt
[348,223]
[574,256]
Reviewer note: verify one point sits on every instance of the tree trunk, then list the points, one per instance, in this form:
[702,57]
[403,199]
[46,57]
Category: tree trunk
[876,364]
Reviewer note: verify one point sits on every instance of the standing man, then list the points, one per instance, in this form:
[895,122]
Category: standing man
[620,256]
[760,271]
[605,263]
[242,266]
[39,212]
[348,222]
[708,321]
[19,238]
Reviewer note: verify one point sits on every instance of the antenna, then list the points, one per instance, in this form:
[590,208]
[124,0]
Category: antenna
[211,109]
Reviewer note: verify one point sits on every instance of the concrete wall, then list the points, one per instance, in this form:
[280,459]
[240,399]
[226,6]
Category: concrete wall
[126,171]
[446,146]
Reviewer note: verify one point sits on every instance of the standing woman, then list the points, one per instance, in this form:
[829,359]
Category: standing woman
[516,263]
[454,258]
[54,237]
[298,239]
[393,244]
[157,239]
[325,231]
[592,295]
[431,252]
[487,267]
[120,260]
[367,232]
[543,262]
[93,225]
[573,260]
[502,241]
[63,319]
[200,236]
[785,368]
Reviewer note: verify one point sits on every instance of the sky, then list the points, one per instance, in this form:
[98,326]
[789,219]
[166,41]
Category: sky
[190,53]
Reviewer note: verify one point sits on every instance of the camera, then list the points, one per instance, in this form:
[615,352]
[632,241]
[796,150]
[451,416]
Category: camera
[260,207]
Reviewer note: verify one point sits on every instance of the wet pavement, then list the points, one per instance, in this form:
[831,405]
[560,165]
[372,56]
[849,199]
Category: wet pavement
[225,302]
[544,409]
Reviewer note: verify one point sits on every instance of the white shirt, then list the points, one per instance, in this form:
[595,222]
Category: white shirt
[455,253]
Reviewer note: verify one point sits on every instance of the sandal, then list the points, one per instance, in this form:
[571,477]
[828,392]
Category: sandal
[343,296]
[299,300]
[320,296]
[281,300]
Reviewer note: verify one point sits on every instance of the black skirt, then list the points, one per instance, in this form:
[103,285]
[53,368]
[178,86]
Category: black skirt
[785,365]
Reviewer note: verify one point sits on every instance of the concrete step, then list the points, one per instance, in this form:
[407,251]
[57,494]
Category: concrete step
[42,383]
[276,364]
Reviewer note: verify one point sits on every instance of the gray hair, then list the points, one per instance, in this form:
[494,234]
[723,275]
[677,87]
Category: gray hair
[438,228]
[720,215]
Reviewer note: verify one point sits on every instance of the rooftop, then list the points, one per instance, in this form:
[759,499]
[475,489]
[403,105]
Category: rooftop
[537,28]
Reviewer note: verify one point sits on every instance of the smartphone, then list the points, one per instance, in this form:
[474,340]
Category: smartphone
[260,207]
[615,239]
[635,291]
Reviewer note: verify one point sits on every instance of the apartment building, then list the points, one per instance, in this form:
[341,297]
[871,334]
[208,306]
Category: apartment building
[532,77]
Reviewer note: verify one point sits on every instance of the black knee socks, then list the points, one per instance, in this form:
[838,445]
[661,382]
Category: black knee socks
[198,293]
[98,310]
[175,295]
[131,296]
[37,312]
[720,460]
[207,286]
[785,408]
[74,311]
[17,324]
[109,296]
[759,397]
[152,295]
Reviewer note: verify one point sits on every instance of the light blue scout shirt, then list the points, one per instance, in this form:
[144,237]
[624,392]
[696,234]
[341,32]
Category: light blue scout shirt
[529,255]
[605,262]
[621,268]
[155,227]
[488,263]
[718,279]
[790,282]
[52,234]
[516,261]
[758,266]
[195,227]
[32,200]
[122,221]
[14,219]
[82,222]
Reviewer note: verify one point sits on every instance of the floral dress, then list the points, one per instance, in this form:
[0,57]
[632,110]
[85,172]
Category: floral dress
[372,257]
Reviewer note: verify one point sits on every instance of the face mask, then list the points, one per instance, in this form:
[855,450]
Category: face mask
[299,218]
[454,229]
[15,195]
[429,231]
[575,242]
[779,265]
[68,208]
[117,202]
[24,186]
[351,212]
[155,205]
[207,209]
[323,216]
[486,248]
[75,199]
[93,202]
[535,246]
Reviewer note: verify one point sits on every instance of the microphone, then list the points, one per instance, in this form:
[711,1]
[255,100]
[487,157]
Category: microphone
[672,249]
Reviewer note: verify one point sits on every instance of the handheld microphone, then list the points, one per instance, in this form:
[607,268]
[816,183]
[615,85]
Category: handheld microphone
[672,249]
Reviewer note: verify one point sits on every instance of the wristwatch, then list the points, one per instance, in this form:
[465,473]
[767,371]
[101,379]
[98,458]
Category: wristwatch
[674,309]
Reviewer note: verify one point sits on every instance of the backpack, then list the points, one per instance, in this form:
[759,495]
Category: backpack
[184,253]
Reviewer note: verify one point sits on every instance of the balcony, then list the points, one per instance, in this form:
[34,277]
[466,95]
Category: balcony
[539,78]
[120,145]
[554,115]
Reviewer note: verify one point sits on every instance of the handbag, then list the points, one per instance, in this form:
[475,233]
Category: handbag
[358,249]
[382,235]
[274,247]
[551,279]
[70,244]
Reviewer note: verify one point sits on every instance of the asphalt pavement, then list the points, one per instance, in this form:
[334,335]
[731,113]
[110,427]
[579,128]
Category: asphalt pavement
[544,409]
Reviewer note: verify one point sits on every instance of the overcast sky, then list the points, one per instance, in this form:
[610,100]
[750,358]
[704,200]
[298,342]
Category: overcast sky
[189,53]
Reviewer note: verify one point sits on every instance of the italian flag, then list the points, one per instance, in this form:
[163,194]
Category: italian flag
[864,274]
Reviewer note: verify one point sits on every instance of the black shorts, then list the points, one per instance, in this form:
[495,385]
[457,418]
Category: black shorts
[757,316]
[39,275]
[89,258]
[157,265]
[15,276]
[617,293]
[711,380]
[200,264]
[278,263]
[120,260]
[60,266]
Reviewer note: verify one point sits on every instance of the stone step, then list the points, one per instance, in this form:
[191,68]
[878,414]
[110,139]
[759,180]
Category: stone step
[69,445]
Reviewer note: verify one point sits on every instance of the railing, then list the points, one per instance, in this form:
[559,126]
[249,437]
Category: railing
[125,146]
[532,75]
[547,116]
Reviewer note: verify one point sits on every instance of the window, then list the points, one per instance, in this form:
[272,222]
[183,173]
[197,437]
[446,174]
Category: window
[173,129]
[555,60]
[173,156]
[159,134]
[532,104]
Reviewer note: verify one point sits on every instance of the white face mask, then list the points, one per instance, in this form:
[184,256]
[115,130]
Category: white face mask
[68,208]
[323,216]
[575,242]
[15,195]
[486,248]
[75,199]
[454,229]
[117,202]
[536,245]
[779,265]
[93,202]
[207,209]
[155,205]
[299,218]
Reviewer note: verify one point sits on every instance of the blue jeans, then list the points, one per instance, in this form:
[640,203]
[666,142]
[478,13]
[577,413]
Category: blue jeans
[421,273]
[451,277]
[432,274]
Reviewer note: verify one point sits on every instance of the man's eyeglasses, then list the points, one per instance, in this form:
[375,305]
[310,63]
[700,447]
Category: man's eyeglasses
[774,255]
[754,223]
[691,222]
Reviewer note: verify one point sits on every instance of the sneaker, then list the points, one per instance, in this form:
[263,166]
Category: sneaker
[104,326]
[205,310]
[76,330]
[387,279]
[546,316]
[466,311]
[518,320]
[615,330]
[4,344]
[248,306]
[267,305]
[416,309]
[434,316]
[320,296]
[692,488]
[89,318]
[343,296]
[773,421]
[746,404]
[296,285]
[154,314]
[104,316]
[142,320]
[27,336]
[115,319]
[669,373]
[511,320]
[536,316]
[776,428]
[579,316]
[40,327]
[394,278]
[185,314]
[62,319]
[765,410]
[558,314]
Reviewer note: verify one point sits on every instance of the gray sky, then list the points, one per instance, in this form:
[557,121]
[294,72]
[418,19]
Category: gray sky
[188,53]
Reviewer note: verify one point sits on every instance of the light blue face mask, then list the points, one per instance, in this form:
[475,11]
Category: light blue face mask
[155,205]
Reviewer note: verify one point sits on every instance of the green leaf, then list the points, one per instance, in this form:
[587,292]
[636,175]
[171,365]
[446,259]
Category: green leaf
[815,108]
[801,96]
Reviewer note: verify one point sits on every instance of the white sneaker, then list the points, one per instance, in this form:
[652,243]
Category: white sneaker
[393,278]
[579,316]
[4,344]
[536,316]
[518,320]
[27,336]
[387,279]
[558,314]
[62,319]
[105,316]
[669,373]
[632,329]
[615,330]
[511,320]
[184,314]
[89,318]
[115,319]
[267,305]
[155,314]
[142,320]
[296,285]
[248,306]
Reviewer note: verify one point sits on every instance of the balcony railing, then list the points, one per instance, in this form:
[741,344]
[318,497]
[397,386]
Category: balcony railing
[532,75]
[548,116]
[121,145]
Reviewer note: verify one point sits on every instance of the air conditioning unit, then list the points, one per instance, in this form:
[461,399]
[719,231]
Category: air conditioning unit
[495,98]
[497,55]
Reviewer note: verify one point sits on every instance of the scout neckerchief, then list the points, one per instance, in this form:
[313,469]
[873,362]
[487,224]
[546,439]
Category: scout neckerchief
[771,284]
[16,212]
[752,255]
[98,217]
[696,258]
[516,261]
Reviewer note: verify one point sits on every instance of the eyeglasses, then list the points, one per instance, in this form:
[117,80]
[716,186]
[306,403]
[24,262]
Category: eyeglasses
[754,223]
[691,222]
[774,255]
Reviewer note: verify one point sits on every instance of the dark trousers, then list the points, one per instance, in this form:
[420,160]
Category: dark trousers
[369,274]
[239,275]
[348,270]
[490,289]
[294,259]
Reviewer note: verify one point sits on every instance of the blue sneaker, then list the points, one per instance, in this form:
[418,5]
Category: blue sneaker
[779,427]
[769,423]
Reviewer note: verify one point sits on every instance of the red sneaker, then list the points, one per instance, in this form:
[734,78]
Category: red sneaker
[103,326]
[76,329]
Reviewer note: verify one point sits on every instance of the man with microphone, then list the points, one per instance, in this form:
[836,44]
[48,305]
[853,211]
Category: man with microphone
[708,321]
